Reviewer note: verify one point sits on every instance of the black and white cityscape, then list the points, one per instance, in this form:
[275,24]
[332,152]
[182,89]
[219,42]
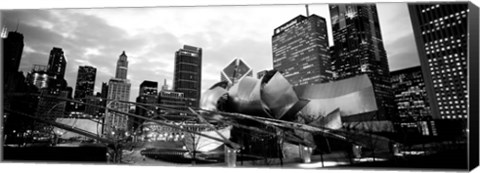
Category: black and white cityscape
[308,86]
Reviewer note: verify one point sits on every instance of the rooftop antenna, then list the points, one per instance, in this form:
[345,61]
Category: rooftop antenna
[306,7]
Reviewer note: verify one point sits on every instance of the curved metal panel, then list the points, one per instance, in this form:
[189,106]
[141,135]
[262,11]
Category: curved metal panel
[278,95]
[210,98]
[352,96]
[245,98]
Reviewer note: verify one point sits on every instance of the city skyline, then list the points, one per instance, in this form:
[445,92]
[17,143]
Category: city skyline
[98,36]
[364,84]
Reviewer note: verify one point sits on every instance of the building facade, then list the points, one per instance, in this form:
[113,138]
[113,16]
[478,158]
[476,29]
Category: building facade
[441,35]
[85,81]
[235,71]
[12,54]
[92,111]
[188,74]
[118,90]
[38,76]
[300,50]
[410,93]
[147,95]
[122,67]
[358,49]
[57,63]
[148,88]
[104,93]
[171,100]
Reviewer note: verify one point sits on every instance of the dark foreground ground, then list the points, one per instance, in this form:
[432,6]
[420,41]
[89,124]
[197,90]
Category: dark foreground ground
[84,154]
[449,159]
[452,159]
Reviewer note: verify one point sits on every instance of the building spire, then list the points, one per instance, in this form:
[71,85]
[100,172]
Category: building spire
[306,7]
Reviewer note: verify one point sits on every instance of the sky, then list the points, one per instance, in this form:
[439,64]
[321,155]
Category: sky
[150,37]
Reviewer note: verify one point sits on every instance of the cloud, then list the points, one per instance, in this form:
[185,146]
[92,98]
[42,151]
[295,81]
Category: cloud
[150,37]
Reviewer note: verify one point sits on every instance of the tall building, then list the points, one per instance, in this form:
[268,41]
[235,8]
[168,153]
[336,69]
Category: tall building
[441,35]
[410,94]
[188,74]
[358,49]
[300,50]
[51,108]
[85,81]
[14,81]
[57,63]
[12,54]
[147,95]
[118,89]
[122,67]
[235,71]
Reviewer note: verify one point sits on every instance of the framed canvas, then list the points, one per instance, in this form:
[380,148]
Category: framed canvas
[280,85]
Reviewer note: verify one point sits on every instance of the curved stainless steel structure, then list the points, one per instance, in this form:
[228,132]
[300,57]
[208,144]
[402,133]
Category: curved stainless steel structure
[351,96]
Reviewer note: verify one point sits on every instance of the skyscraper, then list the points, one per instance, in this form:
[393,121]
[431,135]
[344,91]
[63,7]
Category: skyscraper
[300,50]
[235,71]
[57,63]
[12,52]
[358,49]
[188,74]
[118,89]
[85,81]
[441,34]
